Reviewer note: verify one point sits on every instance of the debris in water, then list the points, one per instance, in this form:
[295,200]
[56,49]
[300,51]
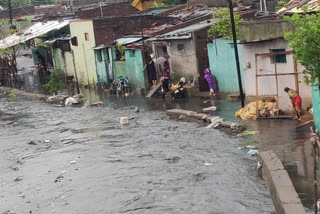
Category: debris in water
[250,147]
[259,166]
[15,168]
[8,212]
[33,142]
[136,110]
[22,195]
[124,120]
[97,104]
[212,108]
[47,141]
[246,133]
[73,162]
[60,177]
[253,152]
[207,164]
[18,179]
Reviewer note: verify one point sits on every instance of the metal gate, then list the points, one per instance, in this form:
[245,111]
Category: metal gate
[276,74]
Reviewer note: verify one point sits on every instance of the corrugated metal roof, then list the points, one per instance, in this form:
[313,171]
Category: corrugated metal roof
[127,40]
[296,6]
[36,30]
[184,33]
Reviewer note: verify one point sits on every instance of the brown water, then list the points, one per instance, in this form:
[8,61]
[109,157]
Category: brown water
[153,165]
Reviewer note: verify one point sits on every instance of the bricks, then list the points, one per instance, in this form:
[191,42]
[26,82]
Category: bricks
[121,9]
[282,191]
[107,30]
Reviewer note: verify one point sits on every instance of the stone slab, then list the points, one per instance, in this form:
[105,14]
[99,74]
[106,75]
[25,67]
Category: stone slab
[283,194]
[271,160]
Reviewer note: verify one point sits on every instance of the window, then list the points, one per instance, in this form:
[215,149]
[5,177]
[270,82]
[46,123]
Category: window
[99,55]
[86,36]
[278,58]
[74,41]
[132,53]
[64,45]
[180,47]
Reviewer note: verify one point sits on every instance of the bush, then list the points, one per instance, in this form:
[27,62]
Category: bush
[56,82]
[12,96]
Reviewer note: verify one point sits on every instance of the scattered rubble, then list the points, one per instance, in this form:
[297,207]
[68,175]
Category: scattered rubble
[124,120]
[18,179]
[215,121]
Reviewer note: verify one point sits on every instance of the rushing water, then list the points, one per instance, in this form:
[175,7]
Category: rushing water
[86,162]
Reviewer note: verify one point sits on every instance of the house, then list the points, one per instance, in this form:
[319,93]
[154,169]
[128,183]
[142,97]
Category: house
[106,9]
[94,43]
[223,65]
[268,64]
[187,50]
[35,37]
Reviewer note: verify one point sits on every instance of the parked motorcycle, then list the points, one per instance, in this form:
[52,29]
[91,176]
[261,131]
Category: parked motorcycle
[176,90]
[123,86]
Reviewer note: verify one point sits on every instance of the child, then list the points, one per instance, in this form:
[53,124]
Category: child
[210,79]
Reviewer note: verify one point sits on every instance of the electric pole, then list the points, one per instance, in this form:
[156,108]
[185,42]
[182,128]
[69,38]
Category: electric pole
[10,12]
[236,52]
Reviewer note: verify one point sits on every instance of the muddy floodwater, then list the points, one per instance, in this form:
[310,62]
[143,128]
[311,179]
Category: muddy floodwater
[74,160]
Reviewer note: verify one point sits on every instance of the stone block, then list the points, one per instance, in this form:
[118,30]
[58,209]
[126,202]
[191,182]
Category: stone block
[270,159]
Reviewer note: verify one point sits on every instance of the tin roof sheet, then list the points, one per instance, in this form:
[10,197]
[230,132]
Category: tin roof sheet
[36,30]
[296,6]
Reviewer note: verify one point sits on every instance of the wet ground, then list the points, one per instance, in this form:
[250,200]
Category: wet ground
[73,160]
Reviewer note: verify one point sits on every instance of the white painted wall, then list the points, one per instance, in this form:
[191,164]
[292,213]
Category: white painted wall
[267,85]
[183,62]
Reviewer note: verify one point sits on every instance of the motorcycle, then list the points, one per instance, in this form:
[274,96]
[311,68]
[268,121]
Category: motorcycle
[175,91]
[123,86]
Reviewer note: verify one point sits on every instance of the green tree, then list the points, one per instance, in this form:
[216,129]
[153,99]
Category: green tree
[23,3]
[222,28]
[15,3]
[306,43]
[174,2]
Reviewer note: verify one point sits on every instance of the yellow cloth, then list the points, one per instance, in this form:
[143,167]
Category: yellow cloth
[139,4]
[250,110]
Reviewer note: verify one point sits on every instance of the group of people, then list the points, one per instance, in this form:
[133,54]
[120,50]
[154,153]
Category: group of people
[165,79]
[152,74]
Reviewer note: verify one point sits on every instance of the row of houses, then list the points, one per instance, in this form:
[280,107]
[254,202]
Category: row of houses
[87,46]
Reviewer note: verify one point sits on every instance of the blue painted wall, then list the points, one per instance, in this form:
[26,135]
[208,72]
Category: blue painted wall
[134,67]
[223,65]
[102,66]
[316,106]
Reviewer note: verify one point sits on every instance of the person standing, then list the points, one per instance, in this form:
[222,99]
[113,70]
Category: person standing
[166,76]
[210,79]
[295,100]
[152,73]
[110,71]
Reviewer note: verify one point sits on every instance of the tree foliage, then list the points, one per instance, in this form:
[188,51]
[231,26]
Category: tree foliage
[174,2]
[223,27]
[14,3]
[306,43]
[56,82]
[23,3]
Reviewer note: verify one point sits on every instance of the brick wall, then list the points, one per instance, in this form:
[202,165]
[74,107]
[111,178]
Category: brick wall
[120,9]
[109,29]
[17,12]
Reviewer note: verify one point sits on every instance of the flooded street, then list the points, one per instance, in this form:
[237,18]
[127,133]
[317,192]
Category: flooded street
[73,160]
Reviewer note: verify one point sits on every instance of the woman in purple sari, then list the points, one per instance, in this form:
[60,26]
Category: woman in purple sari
[210,79]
